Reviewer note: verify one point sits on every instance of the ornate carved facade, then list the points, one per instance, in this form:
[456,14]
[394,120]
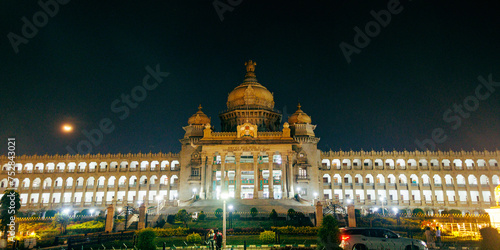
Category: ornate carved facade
[257,157]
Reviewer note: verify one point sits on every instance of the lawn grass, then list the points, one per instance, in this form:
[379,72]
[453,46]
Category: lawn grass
[179,241]
[240,239]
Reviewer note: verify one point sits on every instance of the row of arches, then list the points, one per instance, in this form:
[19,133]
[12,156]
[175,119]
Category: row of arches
[424,179]
[93,166]
[101,181]
[412,163]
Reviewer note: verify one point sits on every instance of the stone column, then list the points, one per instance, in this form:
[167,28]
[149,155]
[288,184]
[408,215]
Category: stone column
[332,186]
[291,191]
[209,179]
[492,186]
[351,215]
[284,182]
[167,198]
[444,188]
[142,217]
[110,219]
[237,181]
[319,214]
[270,180]
[480,202]
[223,187]
[202,173]
[255,176]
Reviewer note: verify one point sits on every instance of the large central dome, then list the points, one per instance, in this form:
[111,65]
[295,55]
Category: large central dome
[250,94]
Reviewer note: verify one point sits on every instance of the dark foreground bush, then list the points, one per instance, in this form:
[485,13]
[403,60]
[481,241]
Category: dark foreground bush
[491,239]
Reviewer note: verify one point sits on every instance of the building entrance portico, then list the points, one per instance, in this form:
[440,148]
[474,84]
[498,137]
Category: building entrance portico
[245,174]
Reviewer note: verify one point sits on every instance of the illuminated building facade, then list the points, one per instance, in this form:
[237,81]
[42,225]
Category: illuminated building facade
[256,156]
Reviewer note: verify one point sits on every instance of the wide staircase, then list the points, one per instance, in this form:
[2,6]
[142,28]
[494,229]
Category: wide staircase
[242,205]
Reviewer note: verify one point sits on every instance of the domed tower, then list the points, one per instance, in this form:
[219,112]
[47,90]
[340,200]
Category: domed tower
[196,124]
[250,102]
[300,124]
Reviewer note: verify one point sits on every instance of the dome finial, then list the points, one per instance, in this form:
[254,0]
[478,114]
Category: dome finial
[200,107]
[250,68]
[298,106]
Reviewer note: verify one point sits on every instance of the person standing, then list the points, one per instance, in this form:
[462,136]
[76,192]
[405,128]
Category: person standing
[438,236]
[211,240]
[218,236]
[429,237]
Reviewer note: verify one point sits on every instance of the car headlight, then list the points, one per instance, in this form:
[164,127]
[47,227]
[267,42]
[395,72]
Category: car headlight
[423,243]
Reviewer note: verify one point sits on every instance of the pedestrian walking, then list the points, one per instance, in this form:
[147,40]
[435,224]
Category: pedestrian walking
[218,240]
[429,237]
[438,236]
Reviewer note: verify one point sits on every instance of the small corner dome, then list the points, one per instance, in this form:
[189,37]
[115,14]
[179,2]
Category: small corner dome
[199,118]
[299,117]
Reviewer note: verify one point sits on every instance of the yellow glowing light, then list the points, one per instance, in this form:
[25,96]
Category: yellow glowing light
[32,234]
[67,128]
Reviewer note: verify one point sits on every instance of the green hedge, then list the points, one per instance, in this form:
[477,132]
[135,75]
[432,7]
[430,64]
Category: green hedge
[166,232]
[296,230]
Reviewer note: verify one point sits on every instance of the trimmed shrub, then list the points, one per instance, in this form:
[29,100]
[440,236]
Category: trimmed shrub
[273,215]
[171,219]
[193,238]
[291,213]
[146,239]
[50,213]
[218,213]
[267,237]
[254,212]
[160,223]
[202,216]
[455,211]
[418,212]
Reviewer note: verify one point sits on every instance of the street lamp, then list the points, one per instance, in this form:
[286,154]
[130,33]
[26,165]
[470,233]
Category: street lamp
[224,197]
[382,201]
[158,199]
[230,207]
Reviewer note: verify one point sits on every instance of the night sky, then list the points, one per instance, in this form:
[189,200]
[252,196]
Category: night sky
[395,90]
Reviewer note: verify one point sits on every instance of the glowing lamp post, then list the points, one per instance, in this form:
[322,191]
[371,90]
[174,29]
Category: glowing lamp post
[224,197]
[66,211]
[92,212]
[158,199]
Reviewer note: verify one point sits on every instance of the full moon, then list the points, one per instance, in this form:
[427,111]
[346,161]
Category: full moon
[67,128]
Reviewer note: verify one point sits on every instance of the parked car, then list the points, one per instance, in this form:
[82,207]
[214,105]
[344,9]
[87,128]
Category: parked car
[365,238]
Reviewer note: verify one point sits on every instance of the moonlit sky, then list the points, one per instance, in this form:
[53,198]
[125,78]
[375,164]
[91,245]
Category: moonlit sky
[394,91]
